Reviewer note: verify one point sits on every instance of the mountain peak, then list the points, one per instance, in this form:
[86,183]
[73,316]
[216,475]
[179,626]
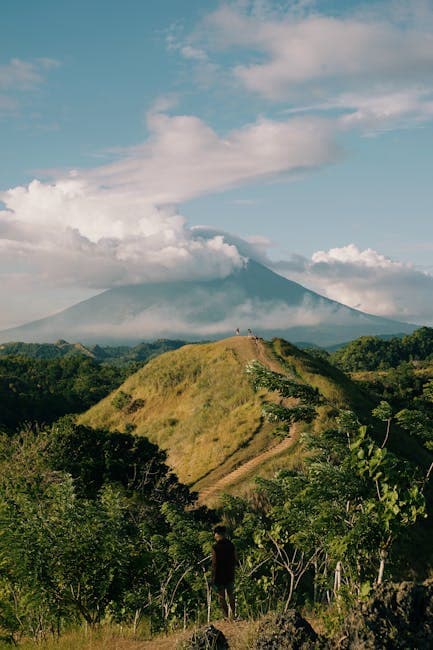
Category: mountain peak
[253,297]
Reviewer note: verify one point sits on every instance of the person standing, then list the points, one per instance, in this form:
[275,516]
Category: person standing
[224,561]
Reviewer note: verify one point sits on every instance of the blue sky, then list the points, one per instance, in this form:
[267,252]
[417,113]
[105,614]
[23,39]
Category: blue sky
[305,127]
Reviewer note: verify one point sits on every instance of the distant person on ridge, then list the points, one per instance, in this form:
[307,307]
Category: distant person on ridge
[237,330]
[224,561]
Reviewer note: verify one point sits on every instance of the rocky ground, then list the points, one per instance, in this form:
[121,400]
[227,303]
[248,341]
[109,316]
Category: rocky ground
[395,617]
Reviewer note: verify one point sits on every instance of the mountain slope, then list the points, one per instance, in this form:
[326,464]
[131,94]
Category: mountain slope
[197,404]
[253,297]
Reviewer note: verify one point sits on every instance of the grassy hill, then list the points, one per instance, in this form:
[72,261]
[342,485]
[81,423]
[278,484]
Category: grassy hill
[198,405]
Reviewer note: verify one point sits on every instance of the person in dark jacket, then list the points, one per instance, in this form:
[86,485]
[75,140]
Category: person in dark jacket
[224,561]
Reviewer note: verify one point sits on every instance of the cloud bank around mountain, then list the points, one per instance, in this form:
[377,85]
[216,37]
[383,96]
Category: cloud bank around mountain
[119,224]
[369,69]
[365,280]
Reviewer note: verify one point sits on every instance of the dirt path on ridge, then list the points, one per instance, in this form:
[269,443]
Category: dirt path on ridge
[265,357]
[233,477]
[262,355]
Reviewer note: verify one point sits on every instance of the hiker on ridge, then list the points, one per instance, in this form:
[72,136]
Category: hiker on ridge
[224,561]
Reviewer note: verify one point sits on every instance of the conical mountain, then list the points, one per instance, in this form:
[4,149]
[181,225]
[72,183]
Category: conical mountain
[252,297]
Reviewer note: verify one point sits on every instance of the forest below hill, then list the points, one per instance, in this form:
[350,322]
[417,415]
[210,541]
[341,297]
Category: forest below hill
[375,353]
[42,382]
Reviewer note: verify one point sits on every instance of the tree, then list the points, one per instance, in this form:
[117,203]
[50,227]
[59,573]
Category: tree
[341,513]
[384,413]
[307,397]
[84,530]
[62,554]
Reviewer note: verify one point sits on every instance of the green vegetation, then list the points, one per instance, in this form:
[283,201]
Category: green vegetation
[83,528]
[42,390]
[40,382]
[97,529]
[121,354]
[374,353]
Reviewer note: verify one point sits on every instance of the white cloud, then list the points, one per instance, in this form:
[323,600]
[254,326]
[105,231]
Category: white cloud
[373,64]
[254,247]
[184,158]
[166,321]
[375,111]
[72,234]
[17,77]
[19,74]
[386,110]
[194,53]
[366,280]
[311,50]
[24,75]
[114,224]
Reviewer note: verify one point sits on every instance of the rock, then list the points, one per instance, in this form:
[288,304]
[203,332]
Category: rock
[396,617]
[207,638]
[287,631]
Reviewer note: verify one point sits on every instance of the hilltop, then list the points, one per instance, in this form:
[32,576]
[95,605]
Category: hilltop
[198,405]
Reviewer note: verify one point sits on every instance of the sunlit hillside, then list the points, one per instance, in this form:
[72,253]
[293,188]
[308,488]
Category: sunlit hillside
[197,403]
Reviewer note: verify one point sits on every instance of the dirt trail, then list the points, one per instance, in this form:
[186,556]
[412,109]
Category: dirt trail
[265,357]
[261,354]
[217,488]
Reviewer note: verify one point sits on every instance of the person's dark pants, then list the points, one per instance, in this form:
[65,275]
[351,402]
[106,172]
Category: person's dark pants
[222,590]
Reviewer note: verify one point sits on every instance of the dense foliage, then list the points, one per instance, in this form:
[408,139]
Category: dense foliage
[41,390]
[374,353]
[94,526]
[120,354]
[84,531]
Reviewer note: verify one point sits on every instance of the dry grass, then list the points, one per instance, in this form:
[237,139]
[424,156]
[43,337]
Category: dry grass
[199,406]
[106,638]
[240,635]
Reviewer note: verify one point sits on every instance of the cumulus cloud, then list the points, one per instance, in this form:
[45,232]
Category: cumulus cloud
[118,224]
[73,234]
[366,280]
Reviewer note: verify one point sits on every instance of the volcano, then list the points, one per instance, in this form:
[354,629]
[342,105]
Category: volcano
[253,297]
